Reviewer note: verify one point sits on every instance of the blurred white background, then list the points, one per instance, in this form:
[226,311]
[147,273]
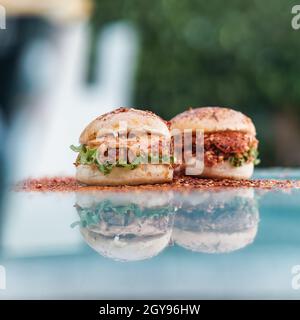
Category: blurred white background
[53,119]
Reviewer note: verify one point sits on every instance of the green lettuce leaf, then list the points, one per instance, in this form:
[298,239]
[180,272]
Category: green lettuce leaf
[237,160]
[103,212]
[88,156]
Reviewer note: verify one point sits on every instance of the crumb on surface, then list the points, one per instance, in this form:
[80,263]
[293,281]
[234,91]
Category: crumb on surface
[69,184]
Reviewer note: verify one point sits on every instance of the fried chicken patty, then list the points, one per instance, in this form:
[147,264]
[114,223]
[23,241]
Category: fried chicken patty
[223,145]
[220,146]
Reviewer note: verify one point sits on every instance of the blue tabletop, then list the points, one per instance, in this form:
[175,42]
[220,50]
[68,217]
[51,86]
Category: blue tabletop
[225,243]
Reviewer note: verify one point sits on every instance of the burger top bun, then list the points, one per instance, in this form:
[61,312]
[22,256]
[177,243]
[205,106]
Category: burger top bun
[214,242]
[212,119]
[134,119]
[127,249]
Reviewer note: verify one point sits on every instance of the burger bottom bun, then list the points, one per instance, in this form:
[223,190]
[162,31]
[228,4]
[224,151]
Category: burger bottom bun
[214,242]
[142,198]
[143,174]
[226,170]
[131,249]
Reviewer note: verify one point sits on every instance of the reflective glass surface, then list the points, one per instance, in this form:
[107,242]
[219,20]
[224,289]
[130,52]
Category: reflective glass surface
[222,243]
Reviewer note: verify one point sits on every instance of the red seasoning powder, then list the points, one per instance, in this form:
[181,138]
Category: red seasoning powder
[69,184]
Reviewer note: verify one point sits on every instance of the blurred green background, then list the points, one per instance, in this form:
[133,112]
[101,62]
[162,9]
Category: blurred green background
[77,59]
[242,54]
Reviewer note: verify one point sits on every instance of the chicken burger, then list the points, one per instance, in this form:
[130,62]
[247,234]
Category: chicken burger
[124,147]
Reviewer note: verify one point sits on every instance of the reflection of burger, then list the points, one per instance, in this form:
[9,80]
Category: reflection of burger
[230,146]
[216,221]
[126,226]
[115,149]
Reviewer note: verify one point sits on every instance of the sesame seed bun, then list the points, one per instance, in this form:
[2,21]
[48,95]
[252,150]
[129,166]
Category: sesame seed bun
[132,121]
[127,249]
[135,120]
[217,221]
[143,174]
[223,170]
[214,242]
[212,119]
[226,170]
[142,198]
[217,119]
[126,226]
